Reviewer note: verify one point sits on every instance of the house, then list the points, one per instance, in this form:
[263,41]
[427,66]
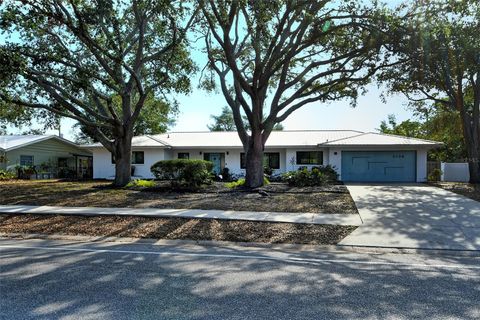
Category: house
[49,156]
[357,156]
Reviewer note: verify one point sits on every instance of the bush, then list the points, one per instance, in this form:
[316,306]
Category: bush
[241,182]
[184,172]
[329,171]
[7,175]
[435,175]
[304,177]
[138,183]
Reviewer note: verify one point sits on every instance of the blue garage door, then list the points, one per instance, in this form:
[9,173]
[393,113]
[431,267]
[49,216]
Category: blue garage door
[379,166]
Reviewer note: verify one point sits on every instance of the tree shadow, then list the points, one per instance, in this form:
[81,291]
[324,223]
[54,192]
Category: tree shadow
[57,284]
[417,216]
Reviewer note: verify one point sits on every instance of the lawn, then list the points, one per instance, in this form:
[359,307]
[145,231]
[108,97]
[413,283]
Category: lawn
[279,198]
[468,190]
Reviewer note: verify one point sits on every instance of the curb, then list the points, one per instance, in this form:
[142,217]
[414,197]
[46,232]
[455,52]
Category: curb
[254,245]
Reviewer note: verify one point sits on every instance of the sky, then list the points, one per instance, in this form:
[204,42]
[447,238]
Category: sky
[197,107]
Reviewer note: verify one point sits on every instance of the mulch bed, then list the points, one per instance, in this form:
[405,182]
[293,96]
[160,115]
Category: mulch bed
[468,190]
[276,197]
[174,228]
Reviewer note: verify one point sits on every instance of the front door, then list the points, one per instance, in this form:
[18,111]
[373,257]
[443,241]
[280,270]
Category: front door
[216,159]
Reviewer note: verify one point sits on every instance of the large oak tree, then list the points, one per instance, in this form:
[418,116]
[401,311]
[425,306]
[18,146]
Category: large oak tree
[274,57]
[440,48]
[72,57]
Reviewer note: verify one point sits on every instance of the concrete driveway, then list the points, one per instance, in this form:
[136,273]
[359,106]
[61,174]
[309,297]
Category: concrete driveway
[414,216]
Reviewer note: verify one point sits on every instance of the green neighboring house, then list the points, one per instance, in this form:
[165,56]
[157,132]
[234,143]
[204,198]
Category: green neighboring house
[46,156]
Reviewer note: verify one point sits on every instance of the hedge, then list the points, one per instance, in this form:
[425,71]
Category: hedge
[184,172]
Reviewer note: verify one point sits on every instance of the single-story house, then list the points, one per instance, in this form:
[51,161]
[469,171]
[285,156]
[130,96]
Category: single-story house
[357,156]
[50,156]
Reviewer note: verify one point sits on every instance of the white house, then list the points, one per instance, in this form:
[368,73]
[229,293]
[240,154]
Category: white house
[357,156]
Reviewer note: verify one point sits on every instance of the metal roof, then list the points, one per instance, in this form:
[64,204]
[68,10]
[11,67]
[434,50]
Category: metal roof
[277,139]
[380,139]
[10,142]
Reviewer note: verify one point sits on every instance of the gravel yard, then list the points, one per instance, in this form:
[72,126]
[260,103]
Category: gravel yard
[280,197]
[173,228]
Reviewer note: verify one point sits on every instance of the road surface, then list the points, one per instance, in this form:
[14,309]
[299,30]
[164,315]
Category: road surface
[60,279]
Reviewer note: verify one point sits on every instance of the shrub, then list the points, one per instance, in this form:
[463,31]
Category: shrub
[241,182]
[304,177]
[184,172]
[267,170]
[329,171]
[138,183]
[7,175]
[235,184]
[226,176]
[435,175]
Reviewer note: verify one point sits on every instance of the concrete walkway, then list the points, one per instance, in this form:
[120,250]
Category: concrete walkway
[289,217]
[414,216]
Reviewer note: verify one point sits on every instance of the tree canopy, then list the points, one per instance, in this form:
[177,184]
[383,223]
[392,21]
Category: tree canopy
[225,122]
[73,58]
[440,50]
[273,57]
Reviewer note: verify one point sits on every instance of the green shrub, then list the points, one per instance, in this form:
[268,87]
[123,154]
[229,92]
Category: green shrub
[304,177]
[329,171]
[435,175]
[235,184]
[184,172]
[7,175]
[241,182]
[138,183]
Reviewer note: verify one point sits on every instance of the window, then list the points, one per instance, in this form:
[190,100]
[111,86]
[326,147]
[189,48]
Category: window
[183,155]
[26,161]
[270,159]
[309,157]
[138,157]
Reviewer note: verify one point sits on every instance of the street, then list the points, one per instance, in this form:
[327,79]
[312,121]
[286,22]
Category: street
[52,279]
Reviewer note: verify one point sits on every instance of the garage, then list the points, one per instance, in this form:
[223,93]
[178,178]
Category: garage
[379,166]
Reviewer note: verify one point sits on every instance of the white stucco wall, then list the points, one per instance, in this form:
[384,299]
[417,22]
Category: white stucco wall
[421,165]
[103,168]
[232,159]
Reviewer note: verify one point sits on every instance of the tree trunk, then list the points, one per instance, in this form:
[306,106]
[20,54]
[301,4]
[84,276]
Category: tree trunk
[123,160]
[254,161]
[473,162]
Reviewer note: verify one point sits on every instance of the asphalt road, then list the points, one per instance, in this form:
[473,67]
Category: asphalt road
[52,279]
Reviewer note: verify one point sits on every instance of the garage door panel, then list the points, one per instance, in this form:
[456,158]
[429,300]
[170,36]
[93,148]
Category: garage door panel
[379,166]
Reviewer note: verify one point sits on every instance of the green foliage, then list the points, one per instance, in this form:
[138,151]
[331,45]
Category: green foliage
[225,122]
[435,175]
[74,58]
[7,175]
[235,184]
[438,62]
[437,124]
[139,183]
[307,178]
[241,182]
[184,172]
[156,117]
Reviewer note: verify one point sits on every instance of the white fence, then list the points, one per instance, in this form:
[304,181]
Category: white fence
[455,172]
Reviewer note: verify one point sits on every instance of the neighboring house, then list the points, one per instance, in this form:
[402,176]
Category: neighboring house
[357,156]
[51,156]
